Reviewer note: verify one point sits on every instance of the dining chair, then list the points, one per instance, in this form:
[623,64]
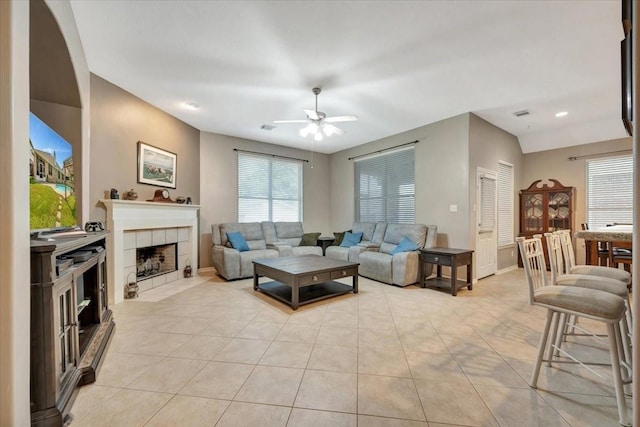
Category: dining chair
[622,256]
[618,255]
[562,300]
[603,248]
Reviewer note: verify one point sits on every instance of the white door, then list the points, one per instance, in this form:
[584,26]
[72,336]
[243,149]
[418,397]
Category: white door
[486,228]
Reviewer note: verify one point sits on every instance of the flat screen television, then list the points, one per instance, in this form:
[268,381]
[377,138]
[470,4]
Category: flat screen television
[626,52]
[52,199]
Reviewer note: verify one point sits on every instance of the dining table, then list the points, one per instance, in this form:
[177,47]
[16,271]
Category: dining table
[619,235]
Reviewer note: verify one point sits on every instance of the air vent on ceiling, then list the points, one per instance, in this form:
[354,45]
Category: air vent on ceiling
[521,113]
[267,127]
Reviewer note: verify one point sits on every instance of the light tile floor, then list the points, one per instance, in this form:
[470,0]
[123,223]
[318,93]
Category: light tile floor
[201,352]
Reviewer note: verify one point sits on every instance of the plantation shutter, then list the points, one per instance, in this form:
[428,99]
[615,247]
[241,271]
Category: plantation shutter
[487,203]
[269,189]
[505,204]
[385,187]
[609,191]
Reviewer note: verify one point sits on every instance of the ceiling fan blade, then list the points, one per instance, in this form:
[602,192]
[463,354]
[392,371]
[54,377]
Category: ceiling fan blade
[330,129]
[313,114]
[336,119]
[290,121]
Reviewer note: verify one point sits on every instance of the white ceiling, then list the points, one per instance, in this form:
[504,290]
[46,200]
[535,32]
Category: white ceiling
[397,65]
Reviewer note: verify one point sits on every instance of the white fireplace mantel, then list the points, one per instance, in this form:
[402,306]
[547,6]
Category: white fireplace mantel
[126,215]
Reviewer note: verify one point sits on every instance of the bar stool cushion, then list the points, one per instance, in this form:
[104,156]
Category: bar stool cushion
[589,302]
[596,270]
[604,284]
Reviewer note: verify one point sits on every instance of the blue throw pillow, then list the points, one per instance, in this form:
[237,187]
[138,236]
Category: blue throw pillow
[351,239]
[237,241]
[405,245]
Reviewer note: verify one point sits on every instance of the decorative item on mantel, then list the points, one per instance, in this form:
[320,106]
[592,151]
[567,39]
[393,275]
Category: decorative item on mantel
[181,200]
[113,194]
[132,286]
[130,195]
[161,196]
[188,271]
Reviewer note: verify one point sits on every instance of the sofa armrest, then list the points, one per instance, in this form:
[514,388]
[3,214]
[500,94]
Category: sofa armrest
[283,249]
[368,246]
[274,245]
[226,261]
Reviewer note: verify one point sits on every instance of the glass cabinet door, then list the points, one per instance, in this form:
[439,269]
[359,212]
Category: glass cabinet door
[533,213]
[66,330]
[559,211]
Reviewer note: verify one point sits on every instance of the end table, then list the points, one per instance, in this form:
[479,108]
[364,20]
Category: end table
[450,257]
[324,243]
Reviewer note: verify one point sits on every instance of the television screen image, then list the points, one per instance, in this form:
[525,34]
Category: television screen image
[51,182]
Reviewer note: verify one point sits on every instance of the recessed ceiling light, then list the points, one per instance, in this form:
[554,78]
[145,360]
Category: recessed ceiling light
[191,106]
[561,114]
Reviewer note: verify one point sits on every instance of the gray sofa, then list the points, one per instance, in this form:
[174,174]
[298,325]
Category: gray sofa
[372,234]
[231,263]
[265,240]
[285,237]
[403,268]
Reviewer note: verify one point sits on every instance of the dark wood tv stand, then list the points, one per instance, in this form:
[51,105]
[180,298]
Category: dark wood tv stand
[71,324]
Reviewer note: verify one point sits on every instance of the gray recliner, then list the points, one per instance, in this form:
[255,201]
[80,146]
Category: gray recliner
[403,268]
[231,263]
[372,234]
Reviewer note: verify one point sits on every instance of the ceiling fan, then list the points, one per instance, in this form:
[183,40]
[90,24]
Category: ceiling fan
[318,124]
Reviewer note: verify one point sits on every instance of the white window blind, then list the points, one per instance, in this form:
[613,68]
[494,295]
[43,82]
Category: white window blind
[385,187]
[487,221]
[269,188]
[609,191]
[505,204]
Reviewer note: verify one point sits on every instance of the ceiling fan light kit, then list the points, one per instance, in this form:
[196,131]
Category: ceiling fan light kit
[318,124]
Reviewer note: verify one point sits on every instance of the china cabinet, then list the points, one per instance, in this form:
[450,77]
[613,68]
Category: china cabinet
[545,208]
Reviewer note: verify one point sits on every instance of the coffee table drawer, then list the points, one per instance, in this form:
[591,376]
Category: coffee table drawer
[314,278]
[346,272]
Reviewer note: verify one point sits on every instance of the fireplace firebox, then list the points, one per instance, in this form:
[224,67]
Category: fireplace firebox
[152,261]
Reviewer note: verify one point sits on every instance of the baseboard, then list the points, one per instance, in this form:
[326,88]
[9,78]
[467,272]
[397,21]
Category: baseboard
[506,270]
[206,269]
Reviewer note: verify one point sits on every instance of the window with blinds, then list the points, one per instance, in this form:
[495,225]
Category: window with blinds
[269,188]
[609,191]
[385,187]
[487,220]
[505,204]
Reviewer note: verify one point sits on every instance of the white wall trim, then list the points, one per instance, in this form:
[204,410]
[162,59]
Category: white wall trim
[507,269]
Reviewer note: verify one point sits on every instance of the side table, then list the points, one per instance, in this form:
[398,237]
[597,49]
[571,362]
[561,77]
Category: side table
[324,243]
[452,258]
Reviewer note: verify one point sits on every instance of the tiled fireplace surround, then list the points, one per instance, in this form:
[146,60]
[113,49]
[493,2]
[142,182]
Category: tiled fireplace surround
[135,239]
[134,224]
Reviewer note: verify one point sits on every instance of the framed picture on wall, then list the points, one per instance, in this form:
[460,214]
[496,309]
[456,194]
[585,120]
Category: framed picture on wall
[156,166]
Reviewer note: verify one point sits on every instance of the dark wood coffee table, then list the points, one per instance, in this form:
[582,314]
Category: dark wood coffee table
[304,279]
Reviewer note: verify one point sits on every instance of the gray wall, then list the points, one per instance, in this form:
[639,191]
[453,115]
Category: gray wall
[219,184]
[556,164]
[488,145]
[442,170]
[118,121]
